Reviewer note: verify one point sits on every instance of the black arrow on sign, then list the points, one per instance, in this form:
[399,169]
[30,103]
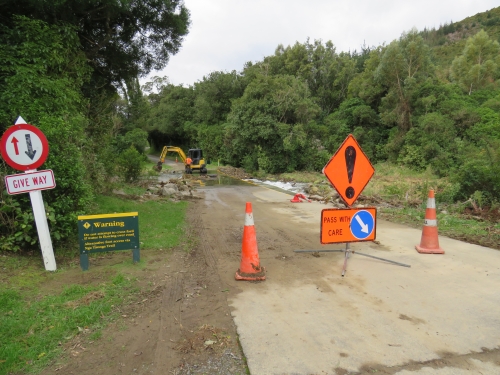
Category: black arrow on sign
[30,152]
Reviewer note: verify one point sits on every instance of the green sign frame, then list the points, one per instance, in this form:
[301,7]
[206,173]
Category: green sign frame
[108,232]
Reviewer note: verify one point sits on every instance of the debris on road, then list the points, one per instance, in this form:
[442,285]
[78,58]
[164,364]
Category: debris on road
[175,188]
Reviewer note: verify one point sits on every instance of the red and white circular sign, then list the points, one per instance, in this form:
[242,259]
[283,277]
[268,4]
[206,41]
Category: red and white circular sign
[24,147]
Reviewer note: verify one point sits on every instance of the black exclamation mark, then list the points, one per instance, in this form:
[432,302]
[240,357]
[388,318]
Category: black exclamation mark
[350,160]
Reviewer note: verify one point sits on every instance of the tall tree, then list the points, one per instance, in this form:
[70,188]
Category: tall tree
[214,95]
[327,73]
[41,73]
[365,84]
[136,108]
[479,63]
[268,127]
[403,66]
[122,39]
[170,116]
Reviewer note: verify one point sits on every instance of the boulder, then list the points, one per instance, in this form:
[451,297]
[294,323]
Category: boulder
[153,189]
[168,191]
[316,197]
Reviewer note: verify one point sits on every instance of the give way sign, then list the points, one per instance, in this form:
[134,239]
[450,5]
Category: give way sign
[24,147]
[30,181]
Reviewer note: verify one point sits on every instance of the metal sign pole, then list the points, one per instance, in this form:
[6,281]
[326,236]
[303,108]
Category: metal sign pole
[347,254]
[43,230]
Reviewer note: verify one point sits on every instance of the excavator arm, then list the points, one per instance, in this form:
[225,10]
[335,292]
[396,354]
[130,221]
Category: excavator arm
[167,149]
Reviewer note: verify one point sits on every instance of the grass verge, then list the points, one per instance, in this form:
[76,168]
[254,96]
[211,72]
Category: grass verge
[160,221]
[40,312]
[33,330]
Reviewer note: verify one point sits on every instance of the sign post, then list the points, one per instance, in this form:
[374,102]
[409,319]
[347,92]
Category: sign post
[349,170]
[24,147]
[43,230]
[108,232]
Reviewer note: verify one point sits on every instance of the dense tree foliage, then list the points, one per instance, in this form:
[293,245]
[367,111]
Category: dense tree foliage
[269,126]
[62,65]
[120,39]
[479,64]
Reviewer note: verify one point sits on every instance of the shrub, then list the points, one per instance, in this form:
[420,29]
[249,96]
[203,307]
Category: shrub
[130,164]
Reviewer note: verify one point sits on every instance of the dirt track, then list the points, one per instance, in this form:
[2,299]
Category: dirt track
[183,323]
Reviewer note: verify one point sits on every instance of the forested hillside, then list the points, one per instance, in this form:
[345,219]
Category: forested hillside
[427,100]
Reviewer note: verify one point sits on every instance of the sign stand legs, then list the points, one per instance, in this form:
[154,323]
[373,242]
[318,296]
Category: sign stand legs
[43,230]
[385,260]
[348,252]
[347,255]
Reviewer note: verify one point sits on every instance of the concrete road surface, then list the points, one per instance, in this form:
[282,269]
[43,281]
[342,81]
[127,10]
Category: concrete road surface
[432,318]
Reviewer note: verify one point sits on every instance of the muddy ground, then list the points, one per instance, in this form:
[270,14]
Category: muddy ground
[181,322]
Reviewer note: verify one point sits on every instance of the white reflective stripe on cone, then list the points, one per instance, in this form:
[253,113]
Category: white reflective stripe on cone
[430,223]
[431,203]
[249,219]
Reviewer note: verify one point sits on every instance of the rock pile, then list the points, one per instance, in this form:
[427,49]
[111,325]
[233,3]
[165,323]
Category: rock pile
[175,188]
[235,172]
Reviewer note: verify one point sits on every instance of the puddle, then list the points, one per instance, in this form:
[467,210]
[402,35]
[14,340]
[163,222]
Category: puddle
[217,180]
[284,187]
[165,177]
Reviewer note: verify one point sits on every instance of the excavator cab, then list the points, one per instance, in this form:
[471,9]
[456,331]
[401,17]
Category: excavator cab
[198,163]
[196,155]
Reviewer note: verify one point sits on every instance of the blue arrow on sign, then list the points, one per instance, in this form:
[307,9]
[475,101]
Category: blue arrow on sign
[362,224]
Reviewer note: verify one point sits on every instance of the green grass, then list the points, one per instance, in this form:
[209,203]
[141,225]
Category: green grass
[307,177]
[36,321]
[160,222]
[31,329]
[134,190]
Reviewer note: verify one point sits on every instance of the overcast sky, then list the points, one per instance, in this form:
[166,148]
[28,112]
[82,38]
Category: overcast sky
[224,34]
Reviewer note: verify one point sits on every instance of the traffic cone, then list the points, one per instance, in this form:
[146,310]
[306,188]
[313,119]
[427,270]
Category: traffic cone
[298,198]
[176,159]
[429,244]
[250,268]
[302,196]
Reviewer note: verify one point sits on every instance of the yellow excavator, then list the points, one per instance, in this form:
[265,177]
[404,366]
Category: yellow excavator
[195,154]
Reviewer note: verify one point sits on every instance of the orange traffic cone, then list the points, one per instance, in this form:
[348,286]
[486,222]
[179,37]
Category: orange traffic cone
[429,244]
[250,268]
[302,196]
[176,159]
[298,198]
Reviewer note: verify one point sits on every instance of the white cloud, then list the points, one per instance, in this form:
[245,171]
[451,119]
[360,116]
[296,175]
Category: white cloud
[225,34]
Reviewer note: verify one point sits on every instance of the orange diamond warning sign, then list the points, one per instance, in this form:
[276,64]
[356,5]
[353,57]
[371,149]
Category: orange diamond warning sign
[349,170]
